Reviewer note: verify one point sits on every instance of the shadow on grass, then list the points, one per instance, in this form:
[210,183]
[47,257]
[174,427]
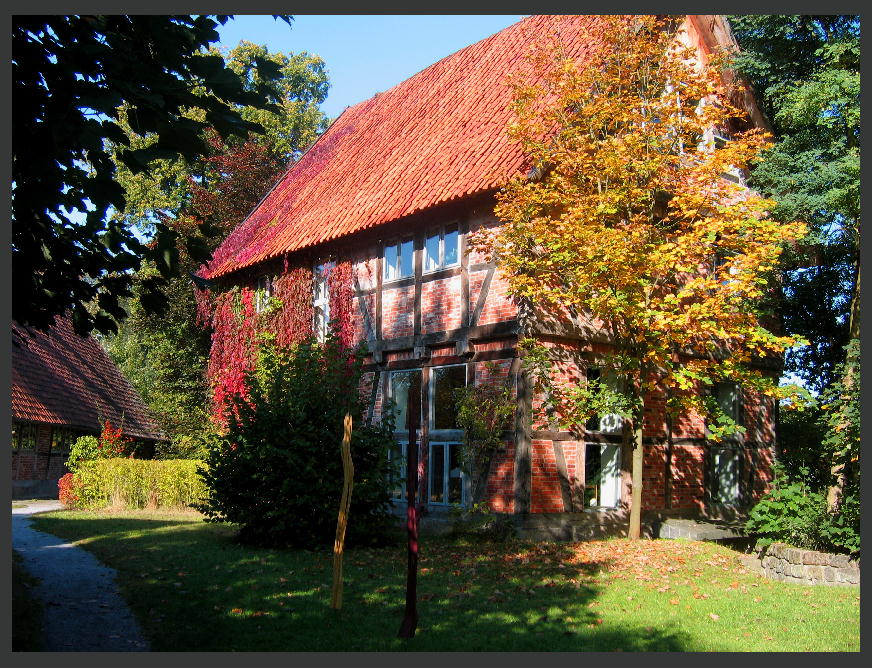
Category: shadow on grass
[194,587]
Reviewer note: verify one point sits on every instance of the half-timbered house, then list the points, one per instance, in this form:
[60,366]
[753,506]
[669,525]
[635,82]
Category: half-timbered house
[369,231]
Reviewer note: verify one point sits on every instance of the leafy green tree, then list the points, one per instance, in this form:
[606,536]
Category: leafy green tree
[75,80]
[806,72]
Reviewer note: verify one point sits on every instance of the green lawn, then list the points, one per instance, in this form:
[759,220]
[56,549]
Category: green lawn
[194,588]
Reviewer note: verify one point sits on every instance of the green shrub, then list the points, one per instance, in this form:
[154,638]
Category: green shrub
[278,471]
[138,483]
[83,449]
[479,521]
[795,514]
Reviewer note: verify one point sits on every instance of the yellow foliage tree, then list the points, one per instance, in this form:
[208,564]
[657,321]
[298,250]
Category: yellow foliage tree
[635,213]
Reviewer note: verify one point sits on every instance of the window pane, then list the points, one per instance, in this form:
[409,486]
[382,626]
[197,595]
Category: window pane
[728,399]
[445,381]
[725,478]
[455,476]
[431,253]
[402,382]
[406,251]
[451,246]
[437,473]
[602,481]
[397,470]
[390,262]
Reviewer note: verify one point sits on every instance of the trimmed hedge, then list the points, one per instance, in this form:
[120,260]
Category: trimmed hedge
[138,483]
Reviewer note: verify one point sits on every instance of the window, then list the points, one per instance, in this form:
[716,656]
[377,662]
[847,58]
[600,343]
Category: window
[446,481]
[321,301]
[610,423]
[397,470]
[725,475]
[443,381]
[729,398]
[402,384]
[602,475]
[62,438]
[441,248]
[24,436]
[263,293]
[398,260]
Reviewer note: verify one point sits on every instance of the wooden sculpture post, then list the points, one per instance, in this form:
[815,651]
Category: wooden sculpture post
[342,522]
[410,618]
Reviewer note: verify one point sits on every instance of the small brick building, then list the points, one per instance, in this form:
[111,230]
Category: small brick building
[391,192]
[63,385]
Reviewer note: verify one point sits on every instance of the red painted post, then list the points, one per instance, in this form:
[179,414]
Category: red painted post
[410,618]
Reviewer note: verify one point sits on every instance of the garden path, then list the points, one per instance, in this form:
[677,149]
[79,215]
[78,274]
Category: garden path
[82,609]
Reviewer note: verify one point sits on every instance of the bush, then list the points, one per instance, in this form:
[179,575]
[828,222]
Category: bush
[795,514]
[277,471]
[83,449]
[479,521]
[68,490]
[137,483]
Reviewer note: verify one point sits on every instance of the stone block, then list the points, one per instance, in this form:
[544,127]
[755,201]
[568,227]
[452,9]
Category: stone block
[813,558]
[797,570]
[852,575]
[829,573]
[813,572]
[839,560]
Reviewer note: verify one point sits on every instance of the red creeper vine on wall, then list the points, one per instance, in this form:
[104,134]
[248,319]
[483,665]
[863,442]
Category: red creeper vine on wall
[236,326]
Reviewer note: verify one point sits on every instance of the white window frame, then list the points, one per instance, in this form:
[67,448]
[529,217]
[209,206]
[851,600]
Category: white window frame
[440,261]
[321,299]
[395,272]
[610,423]
[447,447]
[610,488]
[263,292]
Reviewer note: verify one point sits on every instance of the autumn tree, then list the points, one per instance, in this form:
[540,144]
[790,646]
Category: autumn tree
[635,214]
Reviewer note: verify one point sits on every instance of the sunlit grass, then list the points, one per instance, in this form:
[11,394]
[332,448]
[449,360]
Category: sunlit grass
[193,587]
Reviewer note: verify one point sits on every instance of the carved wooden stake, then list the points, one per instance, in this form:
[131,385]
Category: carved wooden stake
[342,522]
[410,619]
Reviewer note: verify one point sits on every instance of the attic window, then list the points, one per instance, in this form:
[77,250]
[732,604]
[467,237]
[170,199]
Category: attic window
[398,260]
[441,248]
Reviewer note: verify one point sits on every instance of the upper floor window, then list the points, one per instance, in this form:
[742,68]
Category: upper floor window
[263,293]
[610,423]
[321,300]
[398,260]
[442,248]
[444,380]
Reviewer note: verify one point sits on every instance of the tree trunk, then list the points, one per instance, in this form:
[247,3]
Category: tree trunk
[838,470]
[635,529]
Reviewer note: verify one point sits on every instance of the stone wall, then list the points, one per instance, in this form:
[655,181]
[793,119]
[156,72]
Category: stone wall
[792,564]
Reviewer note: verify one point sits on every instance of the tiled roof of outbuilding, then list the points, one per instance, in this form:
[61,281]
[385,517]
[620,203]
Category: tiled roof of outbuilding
[436,137]
[61,378]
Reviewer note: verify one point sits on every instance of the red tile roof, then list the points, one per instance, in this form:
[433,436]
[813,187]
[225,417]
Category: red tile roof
[61,378]
[436,137]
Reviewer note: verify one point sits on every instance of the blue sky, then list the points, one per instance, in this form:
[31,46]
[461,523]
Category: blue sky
[365,54]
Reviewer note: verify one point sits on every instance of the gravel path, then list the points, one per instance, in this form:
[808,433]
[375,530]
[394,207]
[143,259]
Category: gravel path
[82,610]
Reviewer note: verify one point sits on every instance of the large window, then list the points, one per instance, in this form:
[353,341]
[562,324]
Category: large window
[602,475]
[24,436]
[445,480]
[398,260]
[444,380]
[321,301]
[402,385]
[441,248]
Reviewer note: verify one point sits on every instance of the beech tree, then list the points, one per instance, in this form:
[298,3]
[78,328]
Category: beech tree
[635,214]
